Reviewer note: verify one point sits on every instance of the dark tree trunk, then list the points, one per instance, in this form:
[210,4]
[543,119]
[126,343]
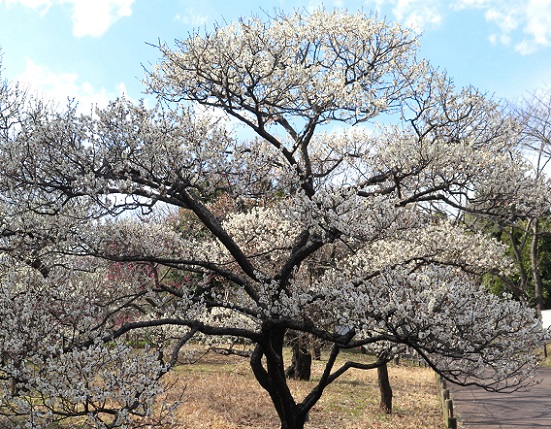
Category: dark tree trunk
[272,378]
[385,389]
[316,349]
[301,359]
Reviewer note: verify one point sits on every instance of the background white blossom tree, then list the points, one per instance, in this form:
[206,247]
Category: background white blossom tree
[317,187]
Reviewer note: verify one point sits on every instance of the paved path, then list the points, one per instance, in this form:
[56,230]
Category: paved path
[529,409]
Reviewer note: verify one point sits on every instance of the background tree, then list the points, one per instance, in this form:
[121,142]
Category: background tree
[526,232]
[536,138]
[519,239]
[398,275]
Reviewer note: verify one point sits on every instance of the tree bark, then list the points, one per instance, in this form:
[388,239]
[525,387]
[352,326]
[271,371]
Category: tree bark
[385,389]
[316,349]
[301,359]
[272,378]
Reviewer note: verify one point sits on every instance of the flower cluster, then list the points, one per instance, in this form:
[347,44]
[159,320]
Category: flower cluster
[349,233]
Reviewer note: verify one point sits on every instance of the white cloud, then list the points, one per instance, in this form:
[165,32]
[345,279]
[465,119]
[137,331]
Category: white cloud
[523,24]
[538,23]
[93,18]
[60,87]
[90,17]
[417,14]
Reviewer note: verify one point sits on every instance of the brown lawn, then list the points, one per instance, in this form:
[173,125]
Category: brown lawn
[220,392]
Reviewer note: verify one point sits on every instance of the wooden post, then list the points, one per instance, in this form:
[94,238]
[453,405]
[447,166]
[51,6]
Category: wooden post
[452,421]
[445,397]
[447,404]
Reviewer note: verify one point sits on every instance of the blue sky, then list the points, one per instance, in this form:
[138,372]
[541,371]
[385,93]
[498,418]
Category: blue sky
[94,50]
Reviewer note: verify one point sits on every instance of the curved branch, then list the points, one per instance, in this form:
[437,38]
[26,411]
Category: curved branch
[193,324]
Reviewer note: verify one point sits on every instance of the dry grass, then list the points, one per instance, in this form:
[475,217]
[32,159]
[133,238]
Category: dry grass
[220,392]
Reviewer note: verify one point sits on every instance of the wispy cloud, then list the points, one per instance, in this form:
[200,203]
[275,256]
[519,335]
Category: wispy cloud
[90,17]
[61,87]
[41,6]
[417,14]
[522,24]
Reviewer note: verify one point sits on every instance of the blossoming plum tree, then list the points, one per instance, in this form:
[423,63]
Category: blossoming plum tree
[337,227]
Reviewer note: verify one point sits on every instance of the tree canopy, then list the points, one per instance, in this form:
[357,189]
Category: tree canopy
[316,220]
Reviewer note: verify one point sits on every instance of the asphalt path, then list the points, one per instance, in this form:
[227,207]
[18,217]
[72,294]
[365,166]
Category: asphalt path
[529,409]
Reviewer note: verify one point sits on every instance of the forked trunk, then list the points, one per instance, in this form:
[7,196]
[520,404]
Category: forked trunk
[271,377]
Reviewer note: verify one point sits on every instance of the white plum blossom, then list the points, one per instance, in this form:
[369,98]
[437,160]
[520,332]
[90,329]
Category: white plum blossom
[317,221]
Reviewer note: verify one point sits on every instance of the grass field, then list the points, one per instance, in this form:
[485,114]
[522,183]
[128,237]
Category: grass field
[220,392]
